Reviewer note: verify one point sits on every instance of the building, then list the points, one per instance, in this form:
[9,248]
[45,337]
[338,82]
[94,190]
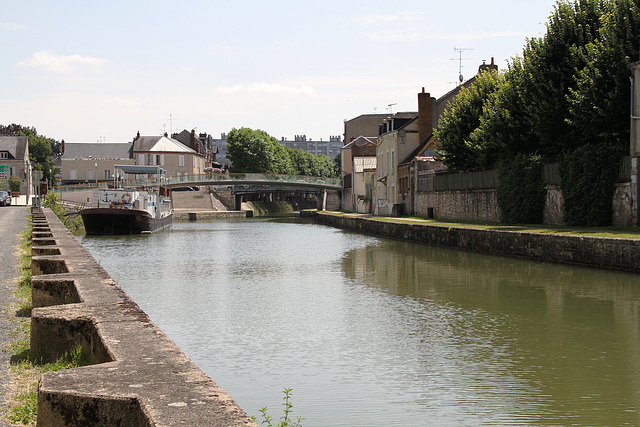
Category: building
[201,143]
[93,161]
[357,158]
[172,155]
[14,161]
[360,137]
[330,148]
[399,138]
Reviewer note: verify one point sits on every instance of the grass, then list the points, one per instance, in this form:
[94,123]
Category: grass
[606,232]
[25,368]
[26,371]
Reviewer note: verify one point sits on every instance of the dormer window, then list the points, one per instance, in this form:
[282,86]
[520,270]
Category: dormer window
[4,154]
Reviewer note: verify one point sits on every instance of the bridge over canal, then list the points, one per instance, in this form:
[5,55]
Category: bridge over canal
[239,183]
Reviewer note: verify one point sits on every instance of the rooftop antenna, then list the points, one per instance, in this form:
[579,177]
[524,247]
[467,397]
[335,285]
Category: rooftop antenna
[390,107]
[459,51]
[171,123]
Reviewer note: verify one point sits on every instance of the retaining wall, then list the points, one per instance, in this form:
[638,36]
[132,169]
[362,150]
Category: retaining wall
[621,254]
[139,377]
[210,215]
[482,205]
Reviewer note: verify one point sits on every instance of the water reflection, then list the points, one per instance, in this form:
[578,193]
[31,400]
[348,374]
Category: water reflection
[370,331]
[563,340]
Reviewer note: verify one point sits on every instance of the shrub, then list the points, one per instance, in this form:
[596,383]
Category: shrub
[588,177]
[521,192]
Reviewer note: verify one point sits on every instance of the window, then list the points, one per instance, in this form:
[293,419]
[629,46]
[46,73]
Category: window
[181,160]
[159,159]
[141,159]
[194,162]
[107,174]
[73,174]
[4,155]
[393,163]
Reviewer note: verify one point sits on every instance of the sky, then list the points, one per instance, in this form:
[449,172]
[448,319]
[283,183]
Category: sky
[90,71]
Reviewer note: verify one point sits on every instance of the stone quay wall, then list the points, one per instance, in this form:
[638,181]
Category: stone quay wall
[620,254]
[138,376]
[482,205]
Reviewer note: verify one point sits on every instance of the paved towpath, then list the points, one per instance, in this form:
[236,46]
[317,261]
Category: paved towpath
[13,220]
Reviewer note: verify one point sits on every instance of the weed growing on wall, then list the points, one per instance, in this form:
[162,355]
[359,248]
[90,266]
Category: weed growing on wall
[521,192]
[588,177]
[72,222]
[285,420]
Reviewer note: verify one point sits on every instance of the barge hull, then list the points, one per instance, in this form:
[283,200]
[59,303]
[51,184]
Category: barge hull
[108,221]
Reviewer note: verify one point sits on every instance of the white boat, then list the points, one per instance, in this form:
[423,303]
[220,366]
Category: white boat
[128,210]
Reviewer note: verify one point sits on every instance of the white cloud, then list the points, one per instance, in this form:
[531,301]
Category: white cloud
[268,88]
[52,62]
[383,18]
[412,35]
[11,26]
[122,102]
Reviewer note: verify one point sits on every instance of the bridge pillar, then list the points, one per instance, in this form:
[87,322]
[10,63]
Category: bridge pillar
[237,202]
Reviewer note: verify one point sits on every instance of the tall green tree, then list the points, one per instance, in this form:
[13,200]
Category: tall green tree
[599,100]
[460,119]
[254,151]
[567,89]
[41,148]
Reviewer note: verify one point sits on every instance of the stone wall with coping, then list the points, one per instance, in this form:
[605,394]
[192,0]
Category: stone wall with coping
[472,205]
[138,375]
[482,205]
[620,254]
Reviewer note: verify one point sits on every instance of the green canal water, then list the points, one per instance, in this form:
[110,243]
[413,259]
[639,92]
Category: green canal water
[377,332]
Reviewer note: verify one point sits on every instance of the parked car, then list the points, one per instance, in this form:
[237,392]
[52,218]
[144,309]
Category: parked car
[5,198]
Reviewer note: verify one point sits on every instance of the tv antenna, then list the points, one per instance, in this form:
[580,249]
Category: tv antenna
[171,119]
[459,51]
[390,107]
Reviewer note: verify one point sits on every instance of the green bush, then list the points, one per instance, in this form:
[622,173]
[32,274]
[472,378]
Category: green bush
[521,192]
[588,177]
[15,183]
[72,222]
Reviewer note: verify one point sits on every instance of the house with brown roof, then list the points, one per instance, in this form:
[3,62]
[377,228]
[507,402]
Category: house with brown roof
[172,155]
[14,161]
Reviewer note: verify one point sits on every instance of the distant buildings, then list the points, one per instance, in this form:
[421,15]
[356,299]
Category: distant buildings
[330,148]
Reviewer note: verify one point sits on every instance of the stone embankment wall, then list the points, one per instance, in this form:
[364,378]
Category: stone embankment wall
[138,376]
[202,216]
[482,205]
[621,254]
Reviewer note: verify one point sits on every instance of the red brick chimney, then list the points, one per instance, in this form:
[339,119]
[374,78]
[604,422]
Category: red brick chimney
[426,115]
[62,147]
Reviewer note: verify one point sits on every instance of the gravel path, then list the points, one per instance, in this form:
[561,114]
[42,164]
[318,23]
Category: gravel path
[13,220]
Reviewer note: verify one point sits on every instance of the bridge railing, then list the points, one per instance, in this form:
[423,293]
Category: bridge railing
[216,179]
[252,177]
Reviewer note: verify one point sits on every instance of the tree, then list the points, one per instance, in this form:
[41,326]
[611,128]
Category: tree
[41,148]
[460,119]
[567,89]
[254,151]
[599,101]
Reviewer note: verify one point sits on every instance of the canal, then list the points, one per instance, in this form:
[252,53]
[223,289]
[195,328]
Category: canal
[377,332]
